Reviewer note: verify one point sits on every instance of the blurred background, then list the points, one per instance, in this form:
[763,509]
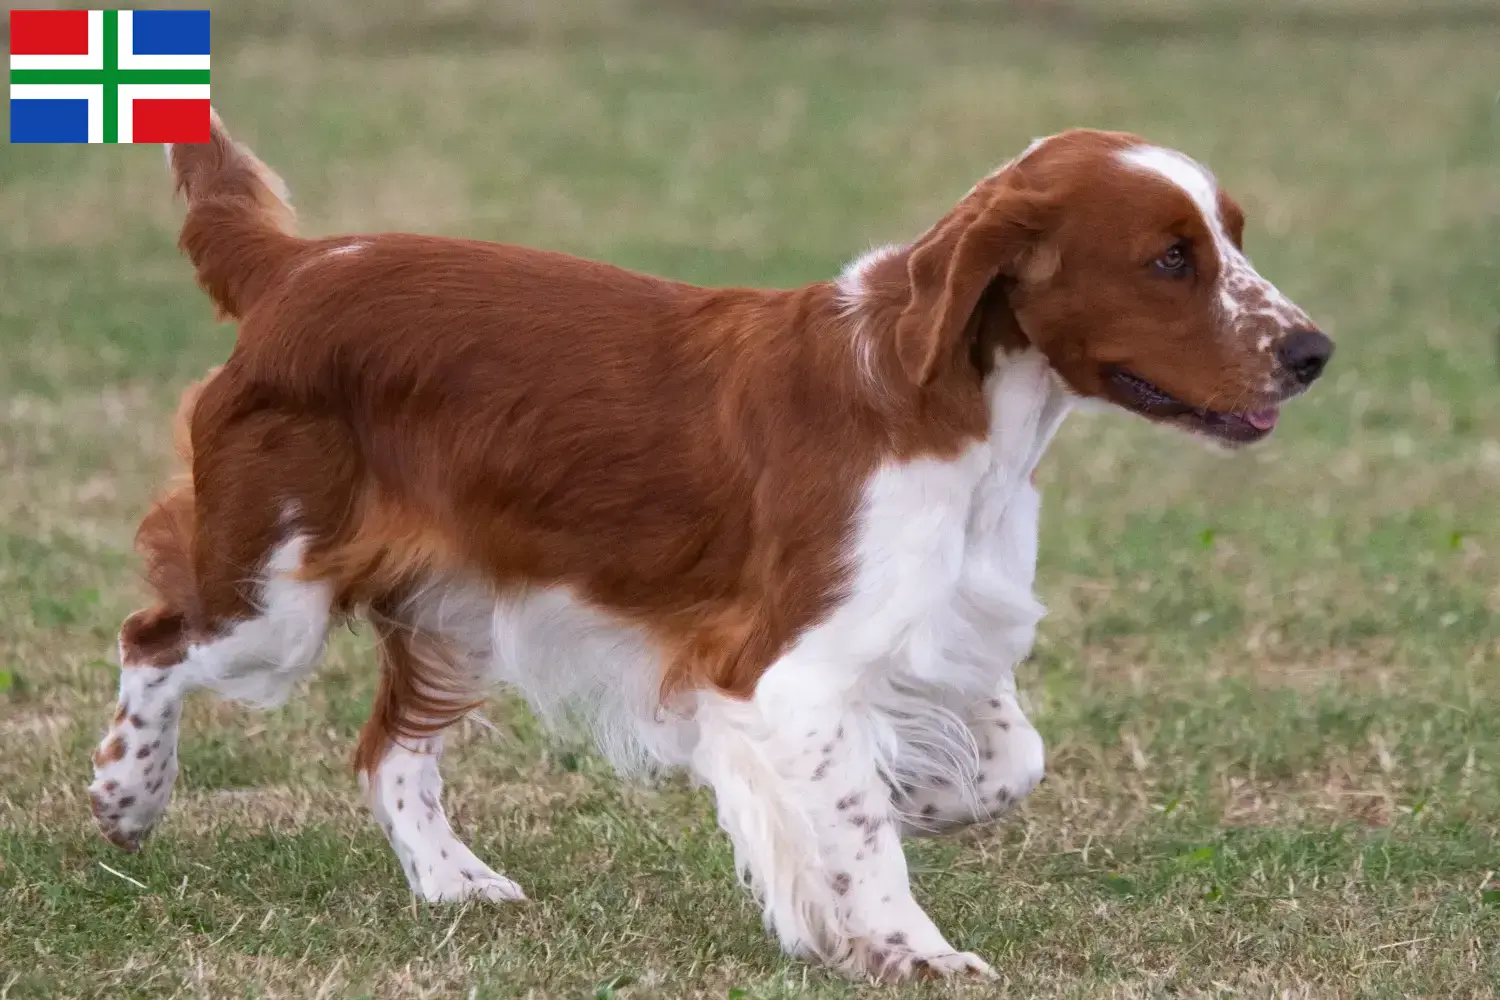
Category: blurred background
[1268,682]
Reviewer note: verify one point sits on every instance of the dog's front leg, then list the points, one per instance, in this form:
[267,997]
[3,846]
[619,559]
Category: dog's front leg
[800,793]
[1011,762]
[999,616]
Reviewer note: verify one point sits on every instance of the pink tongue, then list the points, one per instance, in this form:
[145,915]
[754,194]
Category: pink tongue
[1263,420]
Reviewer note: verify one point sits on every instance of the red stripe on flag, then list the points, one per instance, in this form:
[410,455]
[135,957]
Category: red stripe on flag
[164,119]
[49,32]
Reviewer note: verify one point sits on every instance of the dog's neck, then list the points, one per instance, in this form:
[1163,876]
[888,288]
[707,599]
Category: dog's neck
[1028,403]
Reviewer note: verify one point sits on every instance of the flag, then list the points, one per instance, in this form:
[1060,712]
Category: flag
[109,75]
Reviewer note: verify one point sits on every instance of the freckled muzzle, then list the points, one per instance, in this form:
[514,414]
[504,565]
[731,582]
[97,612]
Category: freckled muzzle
[1301,354]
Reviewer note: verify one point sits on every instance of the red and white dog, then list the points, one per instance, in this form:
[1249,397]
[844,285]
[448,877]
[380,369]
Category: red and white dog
[783,539]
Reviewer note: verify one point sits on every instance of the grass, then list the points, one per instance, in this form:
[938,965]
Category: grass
[1268,682]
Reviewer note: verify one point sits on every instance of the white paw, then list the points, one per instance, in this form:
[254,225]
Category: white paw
[454,883]
[899,964]
[134,769]
[1015,762]
[964,964]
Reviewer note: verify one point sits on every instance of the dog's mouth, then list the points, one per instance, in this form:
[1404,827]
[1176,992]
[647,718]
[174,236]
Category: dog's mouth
[1234,427]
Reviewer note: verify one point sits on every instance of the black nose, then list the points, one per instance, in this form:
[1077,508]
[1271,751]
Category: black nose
[1305,353]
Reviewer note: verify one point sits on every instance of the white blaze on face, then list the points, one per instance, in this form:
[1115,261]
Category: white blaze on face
[1249,302]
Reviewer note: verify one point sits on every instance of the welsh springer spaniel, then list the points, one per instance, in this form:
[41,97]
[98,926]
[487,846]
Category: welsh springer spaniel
[783,539]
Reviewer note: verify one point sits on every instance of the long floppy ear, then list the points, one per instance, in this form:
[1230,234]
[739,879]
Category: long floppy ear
[989,233]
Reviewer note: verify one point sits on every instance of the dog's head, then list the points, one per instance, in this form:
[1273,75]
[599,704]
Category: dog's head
[1121,261]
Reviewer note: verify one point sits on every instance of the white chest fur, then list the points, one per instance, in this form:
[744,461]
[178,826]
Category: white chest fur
[941,608]
[945,554]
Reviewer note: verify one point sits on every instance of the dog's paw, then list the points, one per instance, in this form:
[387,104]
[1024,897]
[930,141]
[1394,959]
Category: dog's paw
[463,878]
[887,963]
[953,965]
[134,770]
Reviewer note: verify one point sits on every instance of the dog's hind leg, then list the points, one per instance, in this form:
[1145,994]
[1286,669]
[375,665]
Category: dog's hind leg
[432,665]
[238,611]
[257,659]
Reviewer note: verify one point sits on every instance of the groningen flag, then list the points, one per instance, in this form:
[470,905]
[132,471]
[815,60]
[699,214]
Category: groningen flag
[109,75]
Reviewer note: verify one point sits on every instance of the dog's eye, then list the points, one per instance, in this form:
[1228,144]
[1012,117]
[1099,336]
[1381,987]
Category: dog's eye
[1176,262]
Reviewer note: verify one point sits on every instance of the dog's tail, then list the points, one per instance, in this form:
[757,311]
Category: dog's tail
[238,230]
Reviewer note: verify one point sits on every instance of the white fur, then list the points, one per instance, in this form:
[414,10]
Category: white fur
[1246,299]
[352,248]
[259,661]
[851,280]
[582,673]
[852,286]
[130,794]
[347,250]
[405,794]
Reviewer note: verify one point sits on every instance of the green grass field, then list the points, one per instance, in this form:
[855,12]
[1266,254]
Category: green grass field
[1270,683]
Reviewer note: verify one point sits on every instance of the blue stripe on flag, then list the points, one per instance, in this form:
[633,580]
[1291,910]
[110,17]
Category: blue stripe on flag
[49,120]
[169,32]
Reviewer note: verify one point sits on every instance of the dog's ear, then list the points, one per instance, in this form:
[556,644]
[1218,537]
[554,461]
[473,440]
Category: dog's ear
[992,233]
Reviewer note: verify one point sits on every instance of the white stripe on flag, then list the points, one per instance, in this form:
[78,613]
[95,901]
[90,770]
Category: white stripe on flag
[91,92]
[129,60]
[130,92]
[94,59]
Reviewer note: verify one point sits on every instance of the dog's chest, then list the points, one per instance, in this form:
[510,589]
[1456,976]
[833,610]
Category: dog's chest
[944,557]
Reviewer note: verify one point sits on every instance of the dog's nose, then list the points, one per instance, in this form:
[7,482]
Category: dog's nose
[1305,353]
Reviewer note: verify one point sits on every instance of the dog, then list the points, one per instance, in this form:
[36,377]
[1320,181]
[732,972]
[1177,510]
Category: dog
[783,539]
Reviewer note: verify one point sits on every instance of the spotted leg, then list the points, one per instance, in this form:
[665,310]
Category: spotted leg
[256,659]
[801,795]
[135,765]
[405,793]
[428,676]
